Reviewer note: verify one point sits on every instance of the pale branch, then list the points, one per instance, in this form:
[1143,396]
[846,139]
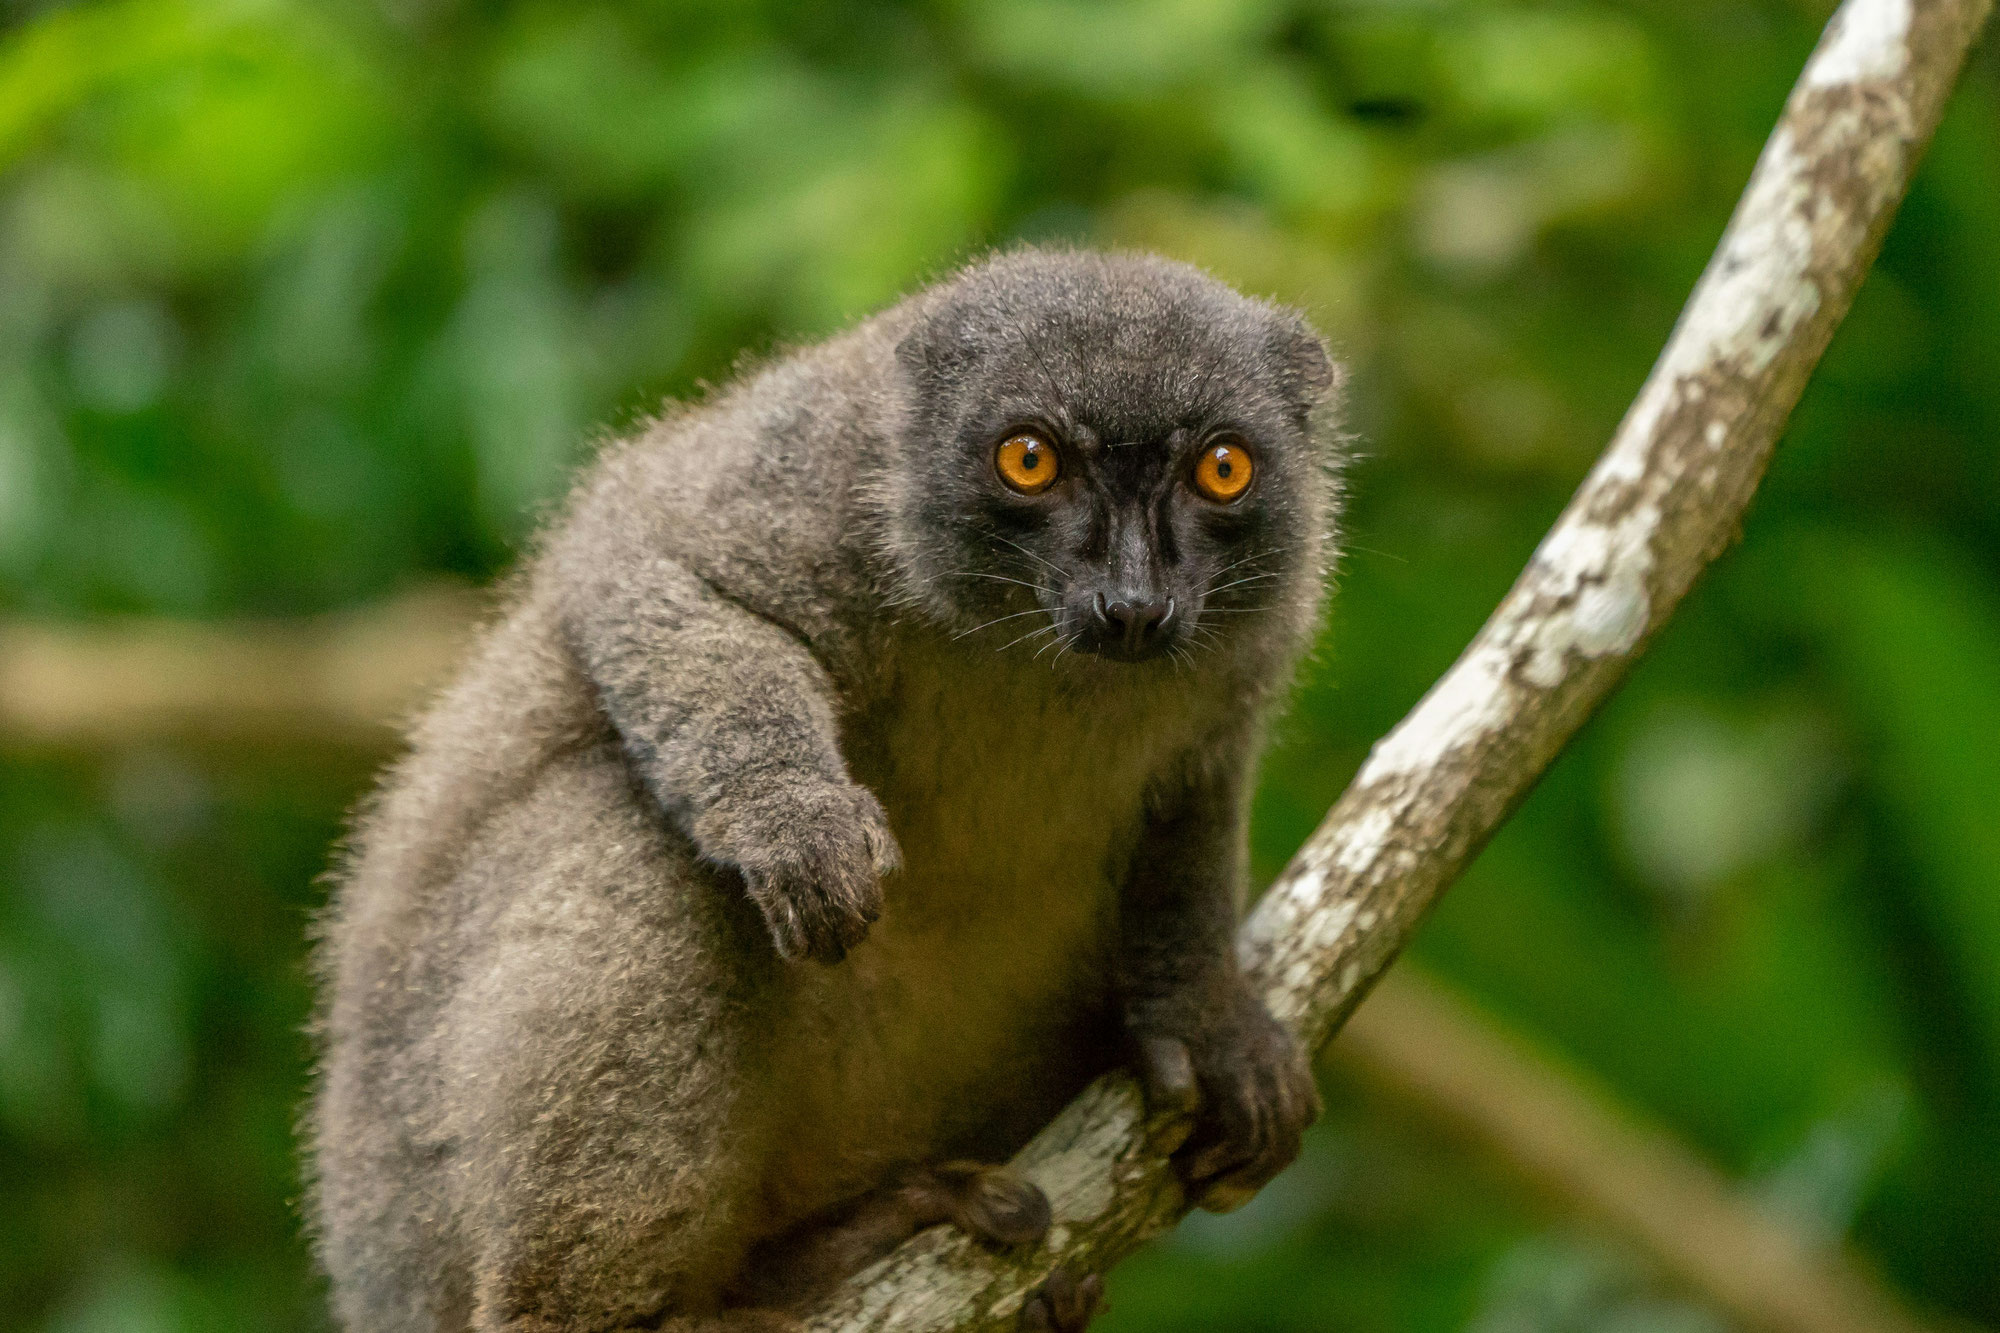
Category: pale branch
[1578,1145]
[1663,501]
[343,678]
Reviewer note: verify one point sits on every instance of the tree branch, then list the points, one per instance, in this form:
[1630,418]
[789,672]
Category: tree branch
[1662,502]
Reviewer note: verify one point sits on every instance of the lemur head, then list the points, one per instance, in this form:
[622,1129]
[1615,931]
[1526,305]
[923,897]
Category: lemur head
[1110,453]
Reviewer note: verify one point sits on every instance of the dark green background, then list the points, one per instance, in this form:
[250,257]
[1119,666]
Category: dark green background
[303,303]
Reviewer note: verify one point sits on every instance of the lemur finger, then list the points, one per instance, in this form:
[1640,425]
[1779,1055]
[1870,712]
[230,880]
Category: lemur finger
[1173,1095]
[1064,1303]
[1236,1129]
[1281,1122]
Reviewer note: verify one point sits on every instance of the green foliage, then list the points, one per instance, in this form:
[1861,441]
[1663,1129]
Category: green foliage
[303,300]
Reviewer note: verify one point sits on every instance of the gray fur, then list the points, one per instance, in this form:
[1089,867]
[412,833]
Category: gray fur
[745,702]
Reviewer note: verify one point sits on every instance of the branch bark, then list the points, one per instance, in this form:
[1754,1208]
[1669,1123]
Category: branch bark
[1664,500]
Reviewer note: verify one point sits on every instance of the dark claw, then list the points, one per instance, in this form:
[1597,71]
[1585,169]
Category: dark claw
[1064,1303]
[1225,1197]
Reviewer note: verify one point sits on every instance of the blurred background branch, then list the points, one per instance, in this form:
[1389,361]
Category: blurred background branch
[344,679]
[1566,1136]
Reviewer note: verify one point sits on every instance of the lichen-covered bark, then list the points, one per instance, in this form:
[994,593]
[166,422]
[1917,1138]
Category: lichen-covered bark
[1663,501]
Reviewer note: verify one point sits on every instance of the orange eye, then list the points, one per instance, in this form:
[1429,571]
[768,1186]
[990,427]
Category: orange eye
[1026,462]
[1223,472]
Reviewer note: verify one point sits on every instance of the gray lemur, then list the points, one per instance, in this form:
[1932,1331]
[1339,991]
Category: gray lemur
[859,768]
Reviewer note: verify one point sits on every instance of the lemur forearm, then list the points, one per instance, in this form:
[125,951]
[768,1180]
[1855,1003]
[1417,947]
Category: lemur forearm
[744,705]
[1182,894]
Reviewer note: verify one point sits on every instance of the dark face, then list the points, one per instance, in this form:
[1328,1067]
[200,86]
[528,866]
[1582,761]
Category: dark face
[1116,459]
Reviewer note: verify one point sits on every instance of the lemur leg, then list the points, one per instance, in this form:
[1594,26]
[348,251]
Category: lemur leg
[1065,1303]
[609,1127]
[989,1203]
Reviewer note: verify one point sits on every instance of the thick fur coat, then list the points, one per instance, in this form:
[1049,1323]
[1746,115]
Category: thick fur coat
[809,825]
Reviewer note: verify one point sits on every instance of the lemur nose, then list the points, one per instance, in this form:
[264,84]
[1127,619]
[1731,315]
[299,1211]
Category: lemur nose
[1137,623]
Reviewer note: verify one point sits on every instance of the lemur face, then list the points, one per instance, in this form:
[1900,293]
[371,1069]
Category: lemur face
[1119,464]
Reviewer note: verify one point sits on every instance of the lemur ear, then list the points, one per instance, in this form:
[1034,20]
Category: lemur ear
[940,348]
[1307,363]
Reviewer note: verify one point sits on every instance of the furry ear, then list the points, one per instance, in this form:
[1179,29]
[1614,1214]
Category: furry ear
[1307,362]
[1310,376]
[940,348]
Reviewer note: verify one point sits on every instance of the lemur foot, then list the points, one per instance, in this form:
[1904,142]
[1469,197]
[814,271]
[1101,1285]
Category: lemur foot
[988,1203]
[812,855]
[1065,1303]
[1230,1098]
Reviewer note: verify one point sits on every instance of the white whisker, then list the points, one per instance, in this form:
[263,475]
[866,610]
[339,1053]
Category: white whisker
[998,578]
[1234,564]
[1012,615]
[1246,579]
[1030,554]
[1031,634]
